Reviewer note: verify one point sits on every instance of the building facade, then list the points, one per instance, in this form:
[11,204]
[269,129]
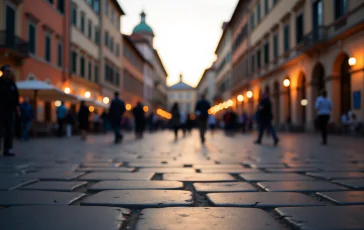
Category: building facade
[183,94]
[206,85]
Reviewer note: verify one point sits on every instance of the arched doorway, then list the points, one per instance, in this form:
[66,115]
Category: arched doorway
[276,95]
[301,95]
[345,85]
[267,90]
[317,83]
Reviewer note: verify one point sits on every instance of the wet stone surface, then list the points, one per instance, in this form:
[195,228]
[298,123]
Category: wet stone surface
[130,185]
[262,199]
[352,183]
[99,176]
[224,187]
[63,186]
[344,198]
[206,218]
[54,175]
[198,177]
[11,182]
[275,177]
[336,175]
[300,186]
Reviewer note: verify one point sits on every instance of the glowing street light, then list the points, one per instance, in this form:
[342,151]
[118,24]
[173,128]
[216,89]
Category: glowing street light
[145,108]
[128,107]
[352,61]
[87,94]
[230,103]
[91,109]
[240,98]
[57,103]
[106,100]
[1,73]
[286,82]
[249,94]
[304,102]
[67,90]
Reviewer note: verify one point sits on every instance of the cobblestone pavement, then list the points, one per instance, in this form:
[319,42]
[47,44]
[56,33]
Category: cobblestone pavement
[157,183]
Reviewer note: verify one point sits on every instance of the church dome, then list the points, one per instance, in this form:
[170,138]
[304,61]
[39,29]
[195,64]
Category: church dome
[143,27]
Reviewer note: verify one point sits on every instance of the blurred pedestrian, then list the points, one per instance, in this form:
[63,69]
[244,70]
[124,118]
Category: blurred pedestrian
[83,119]
[26,117]
[9,108]
[70,121]
[202,108]
[324,107]
[264,118]
[96,122]
[116,112]
[212,123]
[139,120]
[183,122]
[105,121]
[175,121]
[244,121]
[61,112]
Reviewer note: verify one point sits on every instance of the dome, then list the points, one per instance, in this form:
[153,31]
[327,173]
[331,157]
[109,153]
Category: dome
[143,27]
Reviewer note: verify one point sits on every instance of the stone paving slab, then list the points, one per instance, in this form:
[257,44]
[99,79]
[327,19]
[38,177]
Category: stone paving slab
[205,218]
[54,175]
[102,165]
[12,182]
[336,175]
[62,218]
[230,171]
[329,217]
[265,166]
[99,176]
[62,186]
[218,166]
[155,165]
[292,170]
[256,177]
[140,198]
[18,198]
[344,198]
[136,185]
[351,183]
[45,165]
[198,177]
[300,186]
[224,187]
[105,170]
[262,199]
[168,170]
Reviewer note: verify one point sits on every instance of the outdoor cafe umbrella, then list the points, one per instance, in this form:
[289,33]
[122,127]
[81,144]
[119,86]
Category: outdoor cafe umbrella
[91,102]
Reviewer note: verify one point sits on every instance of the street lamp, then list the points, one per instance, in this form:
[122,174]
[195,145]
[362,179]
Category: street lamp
[352,61]
[230,103]
[249,94]
[304,102]
[91,109]
[286,82]
[67,90]
[87,94]
[128,107]
[145,108]
[106,100]
[240,98]
[57,103]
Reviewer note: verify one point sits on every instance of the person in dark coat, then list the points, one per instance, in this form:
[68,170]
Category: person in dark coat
[9,108]
[139,118]
[264,118]
[175,121]
[83,119]
[116,111]
[26,117]
[202,108]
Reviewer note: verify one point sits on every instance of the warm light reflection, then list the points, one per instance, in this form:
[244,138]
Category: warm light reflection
[87,94]
[106,100]
[352,61]
[286,82]
[91,109]
[67,90]
[304,102]
[240,98]
[145,109]
[1,73]
[249,94]
[57,103]
[128,107]
[164,114]
[230,103]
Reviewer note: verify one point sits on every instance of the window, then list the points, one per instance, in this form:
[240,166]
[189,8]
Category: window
[299,28]
[112,44]
[266,7]
[82,66]
[117,50]
[258,13]
[171,96]
[97,35]
[89,2]
[51,1]
[266,53]
[82,22]
[74,62]
[188,95]
[253,63]
[32,37]
[89,71]
[89,29]
[275,45]
[317,14]
[179,96]
[107,7]
[60,54]
[188,107]
[259,59]
[112,16]
[252,21]
[286,38]
[117,78]
[96,6]
[340,8]
[106,39]
[275,2]
[96,77]
[60,6]
[47,47]
[74,16]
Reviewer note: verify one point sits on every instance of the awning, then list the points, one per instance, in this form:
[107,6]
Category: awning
[43,91]
[91,102]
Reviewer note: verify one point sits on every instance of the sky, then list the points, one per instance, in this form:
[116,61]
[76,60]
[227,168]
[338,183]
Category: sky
[187,32]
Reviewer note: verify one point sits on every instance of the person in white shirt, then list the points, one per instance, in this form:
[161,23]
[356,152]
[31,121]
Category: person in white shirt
[324,108]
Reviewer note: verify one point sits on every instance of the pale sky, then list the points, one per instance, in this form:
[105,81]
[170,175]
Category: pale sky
[187,32]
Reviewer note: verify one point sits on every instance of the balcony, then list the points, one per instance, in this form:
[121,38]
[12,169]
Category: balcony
[314,39]
[10,43]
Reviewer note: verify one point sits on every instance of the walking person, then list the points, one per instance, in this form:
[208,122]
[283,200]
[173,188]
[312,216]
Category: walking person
[26,118]
[96,122]
[116,112]
[264,118]
[244,120]
[61,115]
[70,121]
[202,108]
[139,120]
[9,108]
[324,107]
[183,122]
[175,121]
[83,120]
[212,123]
